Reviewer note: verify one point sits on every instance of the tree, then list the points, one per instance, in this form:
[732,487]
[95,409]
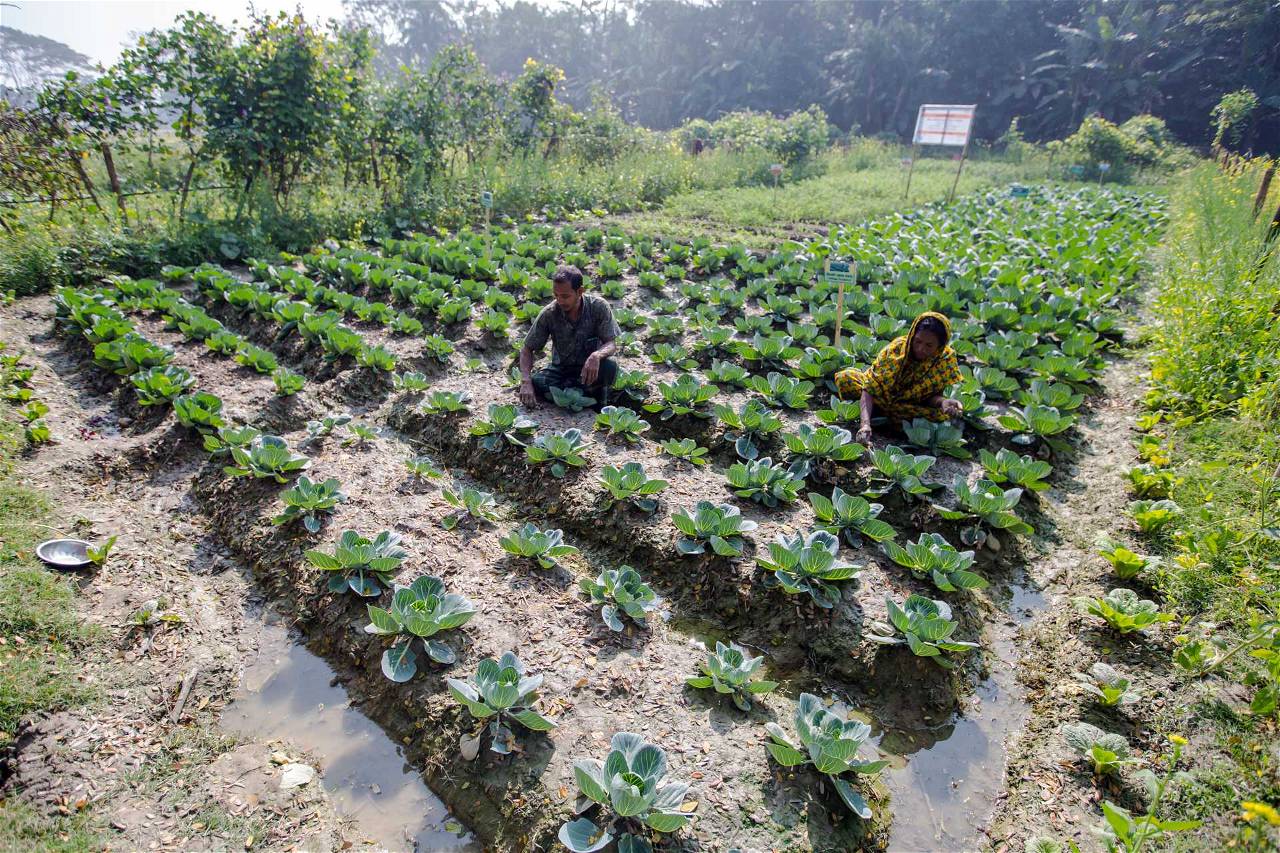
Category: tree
[274,101]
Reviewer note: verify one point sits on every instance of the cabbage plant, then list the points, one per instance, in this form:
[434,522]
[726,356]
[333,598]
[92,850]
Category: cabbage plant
[287,383]
[156,386]
[1005,466]
[719,526]
[1034,422]
[826,445]
[807,564]
[782,391]
[728,670]
[544,546]
[501,692]
[673,355]
[830,742]
[1126,564]
[1154,516]
[226,438]
[325,425]
[728,373]
[571,399]
[470,503]
[987,506]
[504,423]
[422,468]
[266,456]
[931,556]
[632,383]
[748,426]
[1148,481]
[410,381]
[446,402]
[895,468]
[562,450]
[772,352]
[621,421]
[200,411]
[764,482]
[685,396]
[925,626]
[631,787]
[684,449]
[363,566]
[620,592]
[850,517]
[1108,685]
[306,500]
[420,610]
[1059,395]
[1106,752]
[937,437]
[630,483]
[1122,610]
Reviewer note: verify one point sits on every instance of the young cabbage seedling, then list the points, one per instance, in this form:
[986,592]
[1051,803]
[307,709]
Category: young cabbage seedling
[728,670]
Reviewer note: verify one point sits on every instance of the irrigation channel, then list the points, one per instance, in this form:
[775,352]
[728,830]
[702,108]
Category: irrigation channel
[947,732]
[289,694]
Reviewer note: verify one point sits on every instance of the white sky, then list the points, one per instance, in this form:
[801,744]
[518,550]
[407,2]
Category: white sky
[97,28]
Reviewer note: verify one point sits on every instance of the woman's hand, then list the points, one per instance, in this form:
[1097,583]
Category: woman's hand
[951,408]
[864,434]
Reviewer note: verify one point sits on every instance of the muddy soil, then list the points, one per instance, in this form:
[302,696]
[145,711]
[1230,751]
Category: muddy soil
[159,773]
[597,681]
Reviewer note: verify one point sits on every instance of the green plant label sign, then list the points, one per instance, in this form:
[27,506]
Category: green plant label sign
[841,272]
[486,200]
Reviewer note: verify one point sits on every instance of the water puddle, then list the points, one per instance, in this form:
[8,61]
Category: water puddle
[287,694]
[944,780]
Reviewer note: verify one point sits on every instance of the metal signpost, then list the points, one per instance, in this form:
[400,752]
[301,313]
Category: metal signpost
[942,124]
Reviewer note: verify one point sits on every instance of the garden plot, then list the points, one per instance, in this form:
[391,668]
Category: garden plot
[733,370]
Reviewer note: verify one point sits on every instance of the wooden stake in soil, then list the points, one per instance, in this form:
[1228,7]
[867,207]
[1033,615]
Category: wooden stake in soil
[1261,198]
[183,694]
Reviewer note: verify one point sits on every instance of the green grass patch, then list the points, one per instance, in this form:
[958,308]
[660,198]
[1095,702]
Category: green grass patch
[43,644]
[855,187]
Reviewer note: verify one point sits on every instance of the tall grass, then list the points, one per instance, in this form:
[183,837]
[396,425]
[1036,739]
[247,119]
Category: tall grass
[1217,336]
[1216,374]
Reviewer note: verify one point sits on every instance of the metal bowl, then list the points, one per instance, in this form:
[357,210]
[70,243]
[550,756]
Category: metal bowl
[64,553]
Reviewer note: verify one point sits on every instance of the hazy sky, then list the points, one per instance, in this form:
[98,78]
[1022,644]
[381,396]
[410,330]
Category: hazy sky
[97,29]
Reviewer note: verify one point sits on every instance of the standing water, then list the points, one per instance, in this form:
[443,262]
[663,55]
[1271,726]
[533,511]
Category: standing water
[944,780]
[288,693]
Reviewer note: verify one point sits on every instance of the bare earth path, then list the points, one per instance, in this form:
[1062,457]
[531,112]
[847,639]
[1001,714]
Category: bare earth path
[160,776]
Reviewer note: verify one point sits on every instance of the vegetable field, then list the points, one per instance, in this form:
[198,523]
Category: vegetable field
[702,617]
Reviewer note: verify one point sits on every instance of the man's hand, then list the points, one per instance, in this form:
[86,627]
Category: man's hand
[527,396]
[864,435]
[951,408]
[591,370]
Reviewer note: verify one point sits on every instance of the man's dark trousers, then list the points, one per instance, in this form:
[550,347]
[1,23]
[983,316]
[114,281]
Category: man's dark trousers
[570,376]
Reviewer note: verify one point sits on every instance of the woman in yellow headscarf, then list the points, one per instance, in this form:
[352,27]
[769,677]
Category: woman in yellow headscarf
[908,377]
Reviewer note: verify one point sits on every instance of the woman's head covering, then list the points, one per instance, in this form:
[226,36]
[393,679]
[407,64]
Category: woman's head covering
[946,328]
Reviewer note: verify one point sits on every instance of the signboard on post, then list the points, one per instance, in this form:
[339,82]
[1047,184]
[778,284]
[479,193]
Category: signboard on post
[942,124]
[845,274]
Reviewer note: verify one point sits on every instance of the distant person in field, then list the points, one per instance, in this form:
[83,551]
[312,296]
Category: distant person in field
[582,332]
[908,377]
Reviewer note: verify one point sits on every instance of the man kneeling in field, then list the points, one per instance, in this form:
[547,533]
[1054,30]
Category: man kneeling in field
[582,332]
